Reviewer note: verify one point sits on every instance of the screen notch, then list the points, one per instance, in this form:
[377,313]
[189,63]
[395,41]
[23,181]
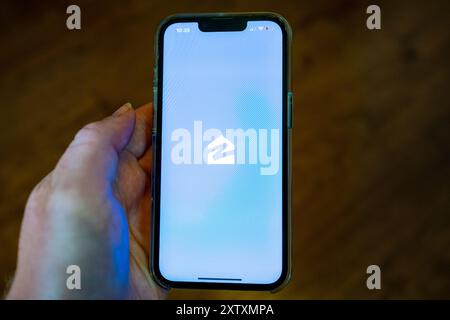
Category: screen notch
[217,24]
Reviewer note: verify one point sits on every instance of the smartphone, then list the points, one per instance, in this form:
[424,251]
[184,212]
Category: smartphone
[221,143]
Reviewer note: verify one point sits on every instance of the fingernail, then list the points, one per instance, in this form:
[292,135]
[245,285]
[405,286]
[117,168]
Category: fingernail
[123,109]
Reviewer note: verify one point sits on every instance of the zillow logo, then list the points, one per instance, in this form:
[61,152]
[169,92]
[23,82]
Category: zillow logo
[221,151]
[235,147]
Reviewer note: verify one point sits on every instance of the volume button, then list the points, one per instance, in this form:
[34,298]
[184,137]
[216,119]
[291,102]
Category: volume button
[155,108]
[155,76]
[155,98]
[153,167]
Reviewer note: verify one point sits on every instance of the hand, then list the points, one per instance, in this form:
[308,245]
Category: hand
[93,211]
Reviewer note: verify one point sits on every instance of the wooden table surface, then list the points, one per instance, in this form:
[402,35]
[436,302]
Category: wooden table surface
[371,162]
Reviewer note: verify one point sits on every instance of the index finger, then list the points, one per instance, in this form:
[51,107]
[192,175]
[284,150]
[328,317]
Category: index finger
[141,139]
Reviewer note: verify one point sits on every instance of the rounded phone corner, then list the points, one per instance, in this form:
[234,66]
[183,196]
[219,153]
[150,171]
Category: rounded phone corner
[161,28]
[282,22]
[282,282]
[159,278]
[166,22]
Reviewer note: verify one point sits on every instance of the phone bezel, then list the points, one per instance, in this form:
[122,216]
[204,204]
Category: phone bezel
[286,170]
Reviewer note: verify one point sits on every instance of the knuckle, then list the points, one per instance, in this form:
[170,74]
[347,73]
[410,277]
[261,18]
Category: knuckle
[89,134]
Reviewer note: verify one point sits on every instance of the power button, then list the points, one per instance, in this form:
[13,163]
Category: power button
[289,109]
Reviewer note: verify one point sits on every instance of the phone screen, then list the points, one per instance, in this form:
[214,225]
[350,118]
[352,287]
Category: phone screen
[221,154]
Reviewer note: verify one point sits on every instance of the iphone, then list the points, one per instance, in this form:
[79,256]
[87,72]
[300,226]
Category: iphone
[221,143]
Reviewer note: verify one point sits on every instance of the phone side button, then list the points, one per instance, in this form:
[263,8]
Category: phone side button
[155,106]
[153,166]
[290,110]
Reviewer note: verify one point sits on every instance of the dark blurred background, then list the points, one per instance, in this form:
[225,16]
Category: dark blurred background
[371,141]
